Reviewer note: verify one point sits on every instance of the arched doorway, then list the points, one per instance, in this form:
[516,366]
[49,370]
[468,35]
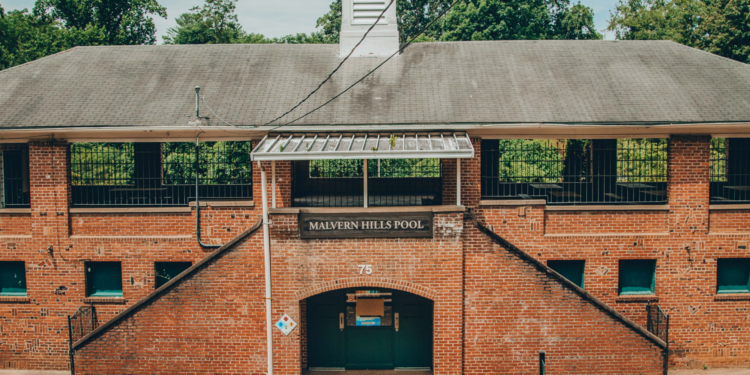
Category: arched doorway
[392,331]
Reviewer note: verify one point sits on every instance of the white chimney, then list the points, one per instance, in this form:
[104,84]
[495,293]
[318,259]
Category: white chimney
[356,18]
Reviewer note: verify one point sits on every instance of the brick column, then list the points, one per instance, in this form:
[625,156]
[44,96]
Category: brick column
[689,184]
[471,181]
[283,184]
[49,165]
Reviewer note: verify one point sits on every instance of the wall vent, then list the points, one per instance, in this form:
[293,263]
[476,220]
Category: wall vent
[365,12]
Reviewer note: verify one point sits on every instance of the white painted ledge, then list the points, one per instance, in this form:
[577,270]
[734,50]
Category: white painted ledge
[15,210]
[130,210]
[720,207]
[513,202]
[356,210]
[237,203]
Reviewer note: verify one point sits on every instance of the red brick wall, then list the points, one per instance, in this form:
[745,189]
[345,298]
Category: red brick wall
[210,322]
[15,225]
[606,222]
[427,267]
[513,311]
[705,329]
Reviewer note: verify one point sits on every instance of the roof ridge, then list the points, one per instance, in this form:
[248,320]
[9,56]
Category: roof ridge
[163,288]
[706,52]
[567,283]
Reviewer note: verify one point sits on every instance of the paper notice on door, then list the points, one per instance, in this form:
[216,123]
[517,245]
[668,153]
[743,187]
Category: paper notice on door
[370,306]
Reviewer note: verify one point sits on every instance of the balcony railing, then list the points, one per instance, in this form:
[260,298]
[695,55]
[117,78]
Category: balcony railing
[390,182]
[730,170]
[607,171]
[154,174]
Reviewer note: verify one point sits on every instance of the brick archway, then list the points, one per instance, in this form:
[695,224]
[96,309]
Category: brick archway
[359,282]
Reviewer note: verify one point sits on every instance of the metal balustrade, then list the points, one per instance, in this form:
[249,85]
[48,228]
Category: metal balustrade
[599,171]
[158,174]
[390,182]
[15,175]
[730,170]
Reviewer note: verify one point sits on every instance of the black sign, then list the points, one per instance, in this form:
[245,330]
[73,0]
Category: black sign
[376,225]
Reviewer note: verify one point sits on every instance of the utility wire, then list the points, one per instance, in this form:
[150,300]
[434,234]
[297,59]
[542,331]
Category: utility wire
[334,71]
[407,44]
[212,111]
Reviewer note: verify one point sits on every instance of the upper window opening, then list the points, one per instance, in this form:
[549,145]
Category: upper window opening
[390,182]
[159,174]
[576,171]
[730,170]
[15,175]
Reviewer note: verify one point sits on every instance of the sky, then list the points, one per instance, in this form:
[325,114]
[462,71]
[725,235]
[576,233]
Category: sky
[275,18]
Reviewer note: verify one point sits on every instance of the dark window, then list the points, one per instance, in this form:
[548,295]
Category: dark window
[733,276]
[12,279]
[166,271]
[575,171]
[159,174]
[15,181]
[730,170]
[637,276]
[572,270]
[390,182]
[103,279]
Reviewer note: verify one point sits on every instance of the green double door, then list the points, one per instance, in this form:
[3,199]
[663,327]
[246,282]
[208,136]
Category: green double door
[403,338]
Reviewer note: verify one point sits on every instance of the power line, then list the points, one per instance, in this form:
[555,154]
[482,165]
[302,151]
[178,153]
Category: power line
[407,44]
[335,70]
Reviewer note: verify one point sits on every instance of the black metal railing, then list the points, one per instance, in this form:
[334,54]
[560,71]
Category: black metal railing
[730,170]
[657,322]
[390,182]
[159,174]
[15,183]
[81,323]
[599,171]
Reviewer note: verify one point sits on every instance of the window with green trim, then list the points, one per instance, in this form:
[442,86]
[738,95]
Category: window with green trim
[12,279]
[166,271]
[570,269]
[733,276]
[103,279]
[637,276]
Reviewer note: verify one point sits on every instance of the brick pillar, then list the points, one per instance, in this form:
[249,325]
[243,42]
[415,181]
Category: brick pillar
[689,184]
[470,178]
[49,165]
[283,184]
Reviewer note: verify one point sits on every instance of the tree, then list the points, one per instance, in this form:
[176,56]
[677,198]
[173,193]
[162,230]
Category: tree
[121,21]
[331,23]
[675,20]
[726,27]
[518,20]
[578,24]
[216,23]
[25,37]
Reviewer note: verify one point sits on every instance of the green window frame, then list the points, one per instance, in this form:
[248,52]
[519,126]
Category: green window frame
[13,279]
[733,276]
[165,271]
[572,270]
[103,279]
[637,276]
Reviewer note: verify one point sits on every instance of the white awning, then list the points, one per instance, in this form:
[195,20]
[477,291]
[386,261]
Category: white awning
[321,146]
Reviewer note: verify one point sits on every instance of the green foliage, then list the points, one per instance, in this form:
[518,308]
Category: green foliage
[642,160]
[718,160]
[518,20]
[216,22]
[346,168]
[331,23]
[220,163]
[717,26]
[25,37]
[121,21]
[529,161]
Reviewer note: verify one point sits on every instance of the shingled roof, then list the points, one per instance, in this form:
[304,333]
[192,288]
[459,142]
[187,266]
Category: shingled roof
[494,82]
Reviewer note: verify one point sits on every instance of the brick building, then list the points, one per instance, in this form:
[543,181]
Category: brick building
[464,208]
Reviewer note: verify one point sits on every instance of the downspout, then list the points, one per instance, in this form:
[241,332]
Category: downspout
[195,168]
[197,201]
[267,261]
